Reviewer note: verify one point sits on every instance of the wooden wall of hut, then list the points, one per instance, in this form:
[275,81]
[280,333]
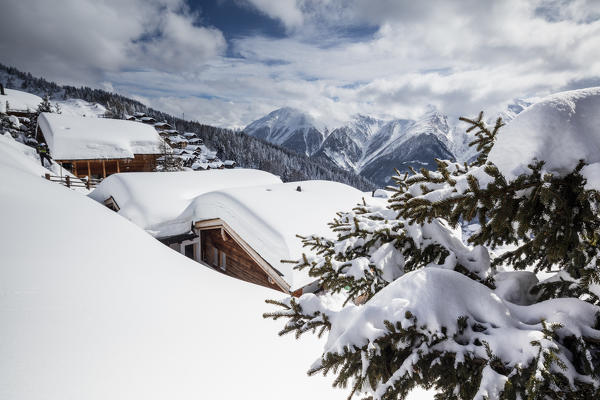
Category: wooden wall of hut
[238,263]
[104,168]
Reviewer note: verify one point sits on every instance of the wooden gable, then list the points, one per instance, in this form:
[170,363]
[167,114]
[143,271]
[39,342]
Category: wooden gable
[224,250]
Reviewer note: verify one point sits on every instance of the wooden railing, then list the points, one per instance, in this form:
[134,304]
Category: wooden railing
[72,182]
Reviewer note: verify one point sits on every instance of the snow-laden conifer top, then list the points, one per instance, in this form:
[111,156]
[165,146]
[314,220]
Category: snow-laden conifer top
[71,137]
[269,217]
[560,129]
[152,200]
[18,100]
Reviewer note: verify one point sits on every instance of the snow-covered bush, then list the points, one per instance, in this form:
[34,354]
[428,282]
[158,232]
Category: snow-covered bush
[420,307]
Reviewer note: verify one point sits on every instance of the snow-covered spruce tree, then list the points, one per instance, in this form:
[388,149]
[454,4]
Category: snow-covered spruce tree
[168,161]
[421,308]
[45,105]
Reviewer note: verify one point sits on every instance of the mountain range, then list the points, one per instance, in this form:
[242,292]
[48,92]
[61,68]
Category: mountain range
[373,147]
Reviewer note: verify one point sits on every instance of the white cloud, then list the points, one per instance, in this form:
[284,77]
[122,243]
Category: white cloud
[286,11]
[179,45]
[459,56]
[73,40]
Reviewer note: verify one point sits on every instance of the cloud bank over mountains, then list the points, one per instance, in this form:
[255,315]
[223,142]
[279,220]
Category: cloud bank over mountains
[331,58]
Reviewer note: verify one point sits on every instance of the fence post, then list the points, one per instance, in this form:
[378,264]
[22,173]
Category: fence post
[68,180]
[48,176]
[88,183]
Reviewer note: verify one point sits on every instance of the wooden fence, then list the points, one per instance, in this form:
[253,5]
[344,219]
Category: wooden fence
[71,182]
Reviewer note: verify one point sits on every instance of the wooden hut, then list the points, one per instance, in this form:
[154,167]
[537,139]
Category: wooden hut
[249,232]
[99,147]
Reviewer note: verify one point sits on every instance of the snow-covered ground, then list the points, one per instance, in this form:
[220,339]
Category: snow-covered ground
[14,154]
[94,308]
[81,108]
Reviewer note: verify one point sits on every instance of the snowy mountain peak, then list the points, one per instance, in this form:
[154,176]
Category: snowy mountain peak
[291,128]
[287,117]
[366,125]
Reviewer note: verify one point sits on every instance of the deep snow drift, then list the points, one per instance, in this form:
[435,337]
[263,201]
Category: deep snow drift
[14,154]
[92,307]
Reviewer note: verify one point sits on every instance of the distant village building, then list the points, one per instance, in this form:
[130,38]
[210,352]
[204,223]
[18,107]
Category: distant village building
[99,147]
[177,141]
[147,120]
[162,125]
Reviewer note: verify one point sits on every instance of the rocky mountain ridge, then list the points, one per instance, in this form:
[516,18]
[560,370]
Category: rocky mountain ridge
[373,147]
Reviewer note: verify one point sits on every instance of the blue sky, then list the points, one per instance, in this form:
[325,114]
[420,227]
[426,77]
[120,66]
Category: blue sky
[236,19]
[228,62]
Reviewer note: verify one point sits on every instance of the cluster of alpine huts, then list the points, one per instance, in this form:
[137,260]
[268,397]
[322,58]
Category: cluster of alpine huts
[187,146]
[242,222]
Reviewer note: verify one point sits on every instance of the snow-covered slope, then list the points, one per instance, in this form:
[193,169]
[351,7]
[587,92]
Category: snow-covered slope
[81,108]
[16,155]
[92,307]
[18,100]
[290,128]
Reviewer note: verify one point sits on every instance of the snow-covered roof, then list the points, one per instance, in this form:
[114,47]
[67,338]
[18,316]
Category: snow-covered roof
[152,200]
[72,137]
[18,100]
[200,165]
[177,139]
[269,217]
[215,164]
